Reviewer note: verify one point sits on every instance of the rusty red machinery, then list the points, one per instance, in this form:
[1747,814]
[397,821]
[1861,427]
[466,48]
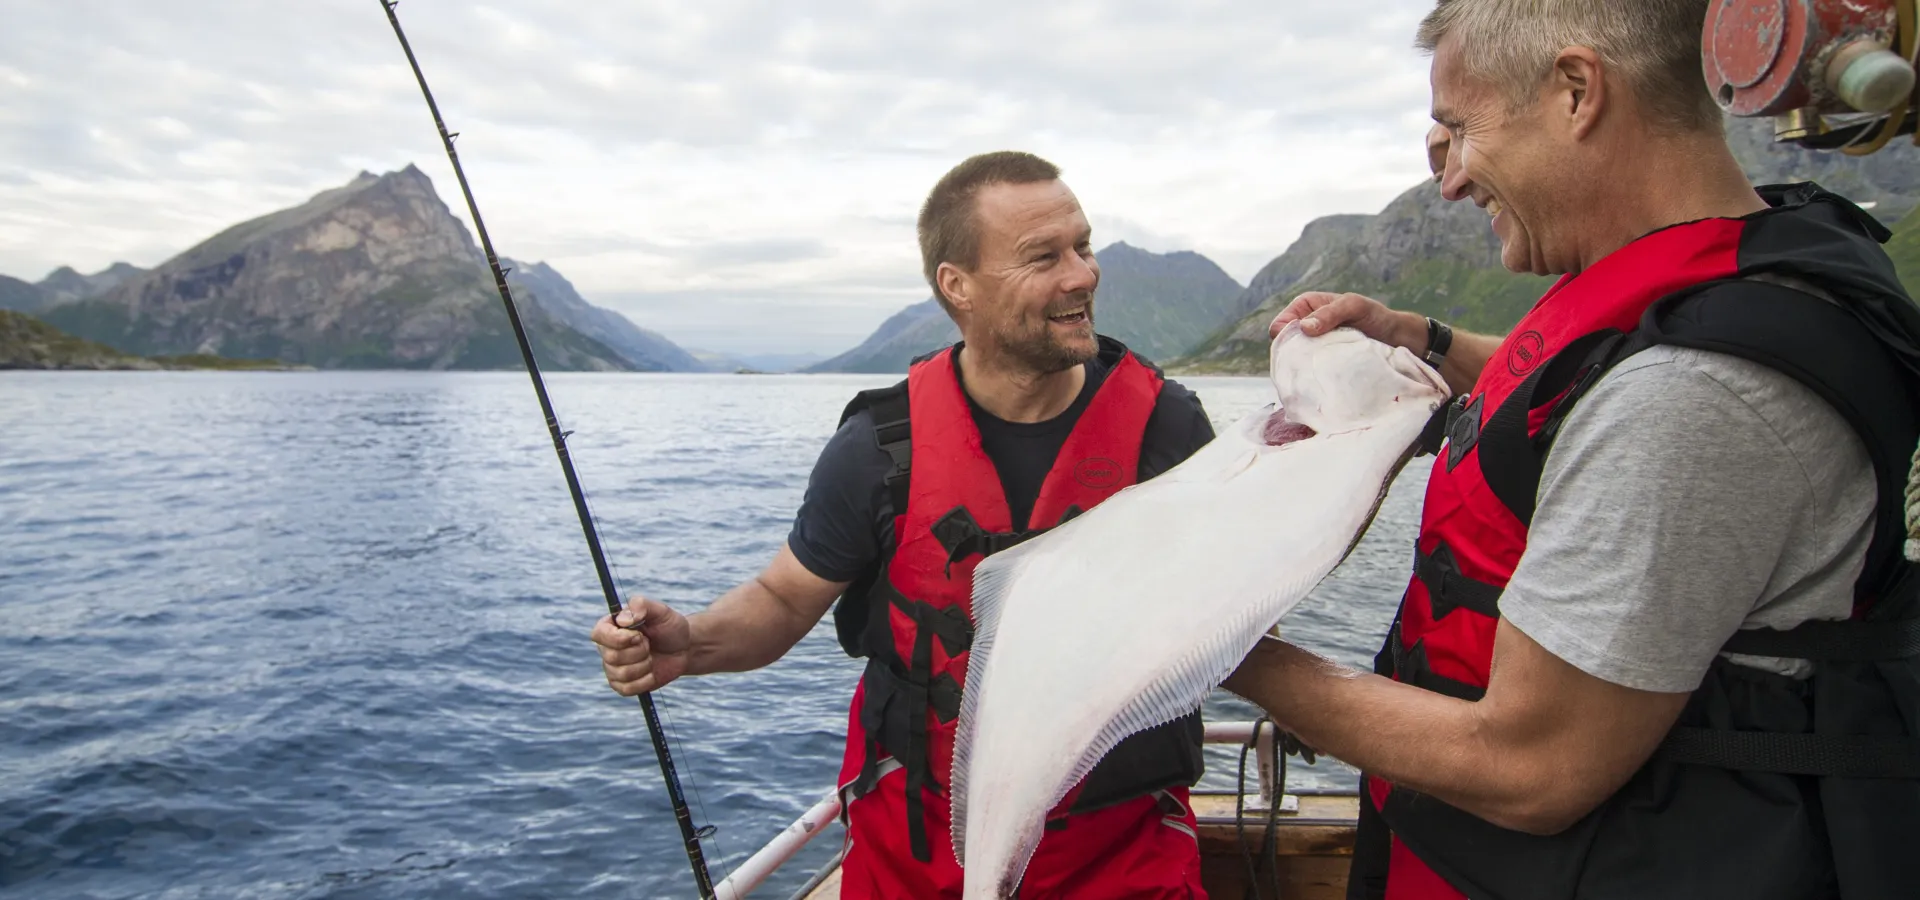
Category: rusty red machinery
[1833,74]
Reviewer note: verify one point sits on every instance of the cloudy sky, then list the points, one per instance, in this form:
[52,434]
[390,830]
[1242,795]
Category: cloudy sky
[739,174]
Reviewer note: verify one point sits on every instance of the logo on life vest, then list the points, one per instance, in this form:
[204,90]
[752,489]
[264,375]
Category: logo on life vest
[1526,353]
[1097,472]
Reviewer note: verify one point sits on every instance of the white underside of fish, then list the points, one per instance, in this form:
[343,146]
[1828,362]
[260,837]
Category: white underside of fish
[1126,617]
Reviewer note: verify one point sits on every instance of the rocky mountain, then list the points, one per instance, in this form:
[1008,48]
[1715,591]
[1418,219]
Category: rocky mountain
[903,336]
[1306,258]
[373,274]
[19,295]
[1887,182]
[1160,304]
[65,284]
[644,350]
[1441,259]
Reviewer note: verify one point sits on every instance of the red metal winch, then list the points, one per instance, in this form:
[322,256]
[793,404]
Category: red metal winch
[1803,59]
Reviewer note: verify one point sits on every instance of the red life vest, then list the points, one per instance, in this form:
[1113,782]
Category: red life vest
[905,710]
[1465,529]
[1474,531]
[1468,537]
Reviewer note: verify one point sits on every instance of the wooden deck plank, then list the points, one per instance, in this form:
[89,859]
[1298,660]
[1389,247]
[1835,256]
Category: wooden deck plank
[828,889]
[1324,826]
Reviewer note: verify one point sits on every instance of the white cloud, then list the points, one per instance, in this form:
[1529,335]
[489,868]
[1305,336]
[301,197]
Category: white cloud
[763,156]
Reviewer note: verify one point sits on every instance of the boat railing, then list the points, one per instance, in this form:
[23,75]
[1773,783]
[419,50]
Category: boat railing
[795,837]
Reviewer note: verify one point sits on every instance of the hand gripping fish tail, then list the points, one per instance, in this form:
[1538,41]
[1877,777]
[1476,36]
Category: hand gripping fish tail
[1124,618]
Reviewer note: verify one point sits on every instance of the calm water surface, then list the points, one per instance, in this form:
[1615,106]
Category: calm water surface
[324,634]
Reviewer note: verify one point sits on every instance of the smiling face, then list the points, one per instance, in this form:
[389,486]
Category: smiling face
[1029,300]
[1509,162]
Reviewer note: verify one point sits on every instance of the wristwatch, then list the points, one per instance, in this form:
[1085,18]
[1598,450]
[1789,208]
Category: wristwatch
[1439,338]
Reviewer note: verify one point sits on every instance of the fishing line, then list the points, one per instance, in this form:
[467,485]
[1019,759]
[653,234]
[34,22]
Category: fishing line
[708,834]
[689,834]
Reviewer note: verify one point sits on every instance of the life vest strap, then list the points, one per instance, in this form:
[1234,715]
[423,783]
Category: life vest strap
[1410,666]
[949,623]
[893,431]
[1463,428]
[1435,434]
[1512,458]
[1852,640]
[894,713]
[962,535]
[1830,755]
[1448,589]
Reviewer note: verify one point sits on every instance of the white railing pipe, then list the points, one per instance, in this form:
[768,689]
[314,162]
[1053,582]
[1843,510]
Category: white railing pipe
[784,845]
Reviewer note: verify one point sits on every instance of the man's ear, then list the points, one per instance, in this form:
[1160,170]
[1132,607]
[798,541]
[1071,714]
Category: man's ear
[1439,141]
[1580,89]
[956,284]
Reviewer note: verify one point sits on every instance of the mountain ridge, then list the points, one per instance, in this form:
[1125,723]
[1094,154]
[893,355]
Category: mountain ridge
[374,273]
[1439,258]
[64,284]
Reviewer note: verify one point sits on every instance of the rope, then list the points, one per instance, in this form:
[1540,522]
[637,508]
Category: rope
[1913,509]
[1269,845]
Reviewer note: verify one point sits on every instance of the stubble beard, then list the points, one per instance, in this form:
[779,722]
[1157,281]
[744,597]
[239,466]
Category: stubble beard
[1043,353]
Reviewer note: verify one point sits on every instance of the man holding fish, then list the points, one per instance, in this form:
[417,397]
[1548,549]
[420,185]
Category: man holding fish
[1659,641]
[1030,421]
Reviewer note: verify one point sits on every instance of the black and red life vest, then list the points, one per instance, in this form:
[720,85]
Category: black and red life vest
[1768,787]
[913,618]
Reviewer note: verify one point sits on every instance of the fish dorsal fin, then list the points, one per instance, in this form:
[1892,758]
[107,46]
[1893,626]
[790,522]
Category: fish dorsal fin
[992,581]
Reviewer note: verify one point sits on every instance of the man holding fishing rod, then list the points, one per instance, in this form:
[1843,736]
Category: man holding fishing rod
[1659,641]
[1030,420]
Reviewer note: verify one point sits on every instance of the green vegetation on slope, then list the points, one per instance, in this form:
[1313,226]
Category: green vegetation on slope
[1485,300]
[221,363]
[1904,249]
[1466,296]
[28,343]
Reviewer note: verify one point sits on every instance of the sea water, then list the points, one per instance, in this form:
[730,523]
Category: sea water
[325,634]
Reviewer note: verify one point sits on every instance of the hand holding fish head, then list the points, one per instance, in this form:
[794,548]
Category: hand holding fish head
[1343,380]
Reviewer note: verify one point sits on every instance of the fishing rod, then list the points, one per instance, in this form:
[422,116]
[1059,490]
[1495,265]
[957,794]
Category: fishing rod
[681,812]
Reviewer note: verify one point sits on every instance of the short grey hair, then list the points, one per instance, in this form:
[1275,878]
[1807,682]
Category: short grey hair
[1653,45]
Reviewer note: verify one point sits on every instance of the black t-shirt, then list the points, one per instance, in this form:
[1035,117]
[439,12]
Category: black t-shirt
[847,516]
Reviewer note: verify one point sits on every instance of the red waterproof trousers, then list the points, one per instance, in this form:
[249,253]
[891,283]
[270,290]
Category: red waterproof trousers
[1132,851]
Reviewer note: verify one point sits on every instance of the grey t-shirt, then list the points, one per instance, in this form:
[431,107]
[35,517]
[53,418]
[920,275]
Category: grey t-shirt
[1691,494]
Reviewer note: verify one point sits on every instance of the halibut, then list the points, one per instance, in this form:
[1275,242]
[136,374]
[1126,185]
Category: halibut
[1128,615]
